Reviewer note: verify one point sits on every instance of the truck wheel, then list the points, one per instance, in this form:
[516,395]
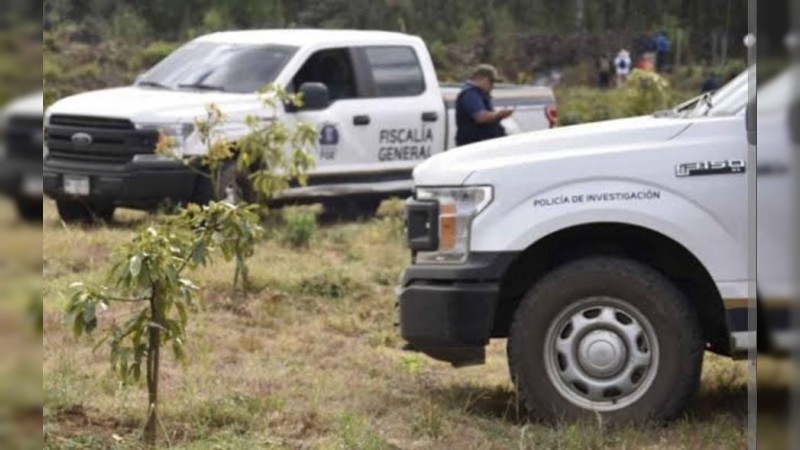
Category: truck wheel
[29,209]
[605,336]
[233,187]
[75,211]
[350,208]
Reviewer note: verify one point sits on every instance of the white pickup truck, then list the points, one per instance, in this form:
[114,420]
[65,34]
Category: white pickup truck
[21,155]
[373,95]
[610,255]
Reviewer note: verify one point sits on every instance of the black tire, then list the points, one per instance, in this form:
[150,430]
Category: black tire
[349,209]
[678,349]
[81,212]
[29,209]
[232,184]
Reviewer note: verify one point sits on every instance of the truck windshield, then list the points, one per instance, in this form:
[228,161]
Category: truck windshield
[217,66]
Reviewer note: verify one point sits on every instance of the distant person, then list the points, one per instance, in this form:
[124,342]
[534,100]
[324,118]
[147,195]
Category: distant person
[604,71]
[476,118]
[646,62]
[711,84]
[661,45]
[622,67]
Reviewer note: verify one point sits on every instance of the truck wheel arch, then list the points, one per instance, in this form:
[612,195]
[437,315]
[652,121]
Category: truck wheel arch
[622,240]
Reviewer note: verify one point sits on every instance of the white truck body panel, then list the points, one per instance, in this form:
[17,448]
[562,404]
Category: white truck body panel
[532,175]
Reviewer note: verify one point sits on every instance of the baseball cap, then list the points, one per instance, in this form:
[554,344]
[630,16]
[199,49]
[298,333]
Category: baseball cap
[488,71]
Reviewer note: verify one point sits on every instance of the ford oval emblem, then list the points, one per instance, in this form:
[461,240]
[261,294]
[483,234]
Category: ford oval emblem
[81,140]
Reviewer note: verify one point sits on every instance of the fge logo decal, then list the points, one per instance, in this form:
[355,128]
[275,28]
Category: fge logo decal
[731,166]
[328,141]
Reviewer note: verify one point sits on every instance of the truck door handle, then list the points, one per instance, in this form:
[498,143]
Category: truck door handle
[430,116]
[361,120]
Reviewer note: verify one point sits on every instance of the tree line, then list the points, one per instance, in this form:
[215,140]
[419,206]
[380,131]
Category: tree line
[519,35]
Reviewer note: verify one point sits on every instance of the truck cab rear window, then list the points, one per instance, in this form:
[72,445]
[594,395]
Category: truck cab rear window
[396,71]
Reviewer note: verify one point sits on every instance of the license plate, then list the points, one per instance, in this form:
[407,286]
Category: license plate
[76,185]
[32,186]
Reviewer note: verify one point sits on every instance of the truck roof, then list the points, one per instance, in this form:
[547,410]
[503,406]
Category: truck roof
[302,37]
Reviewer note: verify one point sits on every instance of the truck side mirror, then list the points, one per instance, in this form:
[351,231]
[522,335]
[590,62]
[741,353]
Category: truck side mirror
[751,118]
[315,96]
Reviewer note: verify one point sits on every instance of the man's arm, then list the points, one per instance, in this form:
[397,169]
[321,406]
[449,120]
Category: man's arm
[484,117]
[473,104]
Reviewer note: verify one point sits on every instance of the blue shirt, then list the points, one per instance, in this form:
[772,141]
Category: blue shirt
[471,102]
[662,43]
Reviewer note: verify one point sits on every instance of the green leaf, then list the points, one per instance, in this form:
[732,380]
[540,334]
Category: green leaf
[78,324]
[89,312]
[135,265]
[100,343]
[177,350]
[184,317]
[90,317]
[198,254]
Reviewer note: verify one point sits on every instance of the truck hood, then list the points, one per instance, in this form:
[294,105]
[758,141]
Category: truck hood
[454,167]
[146,104]
[27,106]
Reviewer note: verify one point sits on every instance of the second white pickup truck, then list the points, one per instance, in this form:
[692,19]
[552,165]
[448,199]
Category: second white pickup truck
[610,255]
[374,97]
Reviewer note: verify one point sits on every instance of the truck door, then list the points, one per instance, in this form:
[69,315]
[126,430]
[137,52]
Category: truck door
[403,118]
[342,138]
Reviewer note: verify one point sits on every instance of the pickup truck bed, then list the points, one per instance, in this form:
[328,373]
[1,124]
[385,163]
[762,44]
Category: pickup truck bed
[530,105]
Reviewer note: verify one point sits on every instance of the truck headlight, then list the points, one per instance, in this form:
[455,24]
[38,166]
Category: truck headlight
[178,132]
[457,208]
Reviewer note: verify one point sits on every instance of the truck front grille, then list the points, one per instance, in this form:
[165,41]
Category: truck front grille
[97,139]
[23,138]
[91,122]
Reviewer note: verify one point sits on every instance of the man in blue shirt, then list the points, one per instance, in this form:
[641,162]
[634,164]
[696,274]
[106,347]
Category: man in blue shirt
[661,44]
[476,118]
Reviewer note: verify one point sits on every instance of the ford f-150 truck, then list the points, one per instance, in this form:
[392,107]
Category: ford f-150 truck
[21,156]
[610,255]
[374,97]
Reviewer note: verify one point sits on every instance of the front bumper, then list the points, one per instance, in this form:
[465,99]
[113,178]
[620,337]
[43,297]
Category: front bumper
[447,312]
[19,178]
[141,184]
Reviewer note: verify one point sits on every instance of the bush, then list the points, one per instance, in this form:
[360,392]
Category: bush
[584,105]
[299,227]
[645,93]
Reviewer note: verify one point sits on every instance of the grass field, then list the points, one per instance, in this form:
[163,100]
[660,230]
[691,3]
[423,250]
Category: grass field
[311,359]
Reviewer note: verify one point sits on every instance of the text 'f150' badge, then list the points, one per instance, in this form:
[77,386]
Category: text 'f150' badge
[710,168]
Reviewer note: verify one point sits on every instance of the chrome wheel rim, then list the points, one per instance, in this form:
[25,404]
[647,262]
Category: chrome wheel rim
[601,354]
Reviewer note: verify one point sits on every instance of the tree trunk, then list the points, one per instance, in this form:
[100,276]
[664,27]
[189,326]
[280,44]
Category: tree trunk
[580,16]
[153,364]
